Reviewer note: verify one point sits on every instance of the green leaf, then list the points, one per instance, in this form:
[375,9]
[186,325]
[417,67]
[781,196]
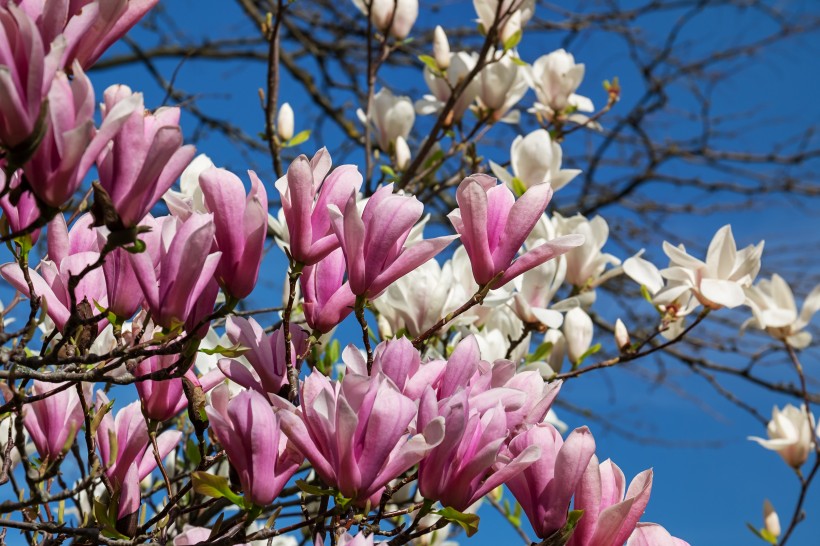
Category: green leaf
[513,40]
[518,187]
[541,352]
[562,535]
[192,452]
[518,61]
[231,352]
[216,487]
[98,417]
[591,351]
[311,489]
[298,139]
[137,248]
[645,293]
[386,169]
[431,63]
[763,534]
[468,522]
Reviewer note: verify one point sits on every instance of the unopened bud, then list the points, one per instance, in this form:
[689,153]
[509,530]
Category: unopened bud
[284,122]
[402,153]
[771,522]
[621,336]
[578,333]
[441,48]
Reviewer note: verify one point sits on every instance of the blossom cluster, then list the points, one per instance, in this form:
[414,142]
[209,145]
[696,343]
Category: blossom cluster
[449,406]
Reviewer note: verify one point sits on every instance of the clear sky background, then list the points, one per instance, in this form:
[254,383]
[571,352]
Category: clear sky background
[709,479]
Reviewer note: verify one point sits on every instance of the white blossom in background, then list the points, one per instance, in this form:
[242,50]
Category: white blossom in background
[771,521]
[555,78]
[775,311]
[498,327]
[791,434]
[402,153]
[717,282]
[578,333]
[622,340]
[535,289]
[464,286]
[285,122]
[520,12]
[392,116]
[190,198]
[586,264]
[674,310]
[441,48]
[535,159]
[417,300]
[461,63]
[382,14]
[501,84]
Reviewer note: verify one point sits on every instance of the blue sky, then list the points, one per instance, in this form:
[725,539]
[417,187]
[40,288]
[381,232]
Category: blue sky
[709,479]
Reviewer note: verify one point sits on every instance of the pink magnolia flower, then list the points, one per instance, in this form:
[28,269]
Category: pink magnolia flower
[26,73]
[468,463]
[111,22]
[53,421]
[306,194]
[124,293]
[162,399]
[134,459]
[493,227]
[241,226]
[652,534]
[373,241]
[354,432]
[327,296]
[69,252]
[142,161]
[25,212]
[611,511]
[71,144]
[266,355]
[182,274]
[544,490]
[401,362]
[263,458]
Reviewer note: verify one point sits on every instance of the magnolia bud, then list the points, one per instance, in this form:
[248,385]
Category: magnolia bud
[402,153]
[771,522]
[441,48]
[621,336]
[284,122]
[578,333]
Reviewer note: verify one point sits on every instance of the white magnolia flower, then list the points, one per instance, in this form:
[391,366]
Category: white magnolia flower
[498,327]
[520,12]
[382,14]
[791,434]
[674,311]
[771,521]
[555,78]
[441,48]
[536,288]
[535,159]
[501,84]
[190,198]
[417,300]
[461,63]
[402,153]
[586,264]
[622,340]
[578,333]
[717,282]
[392,116]
[285,122]
[775,311]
